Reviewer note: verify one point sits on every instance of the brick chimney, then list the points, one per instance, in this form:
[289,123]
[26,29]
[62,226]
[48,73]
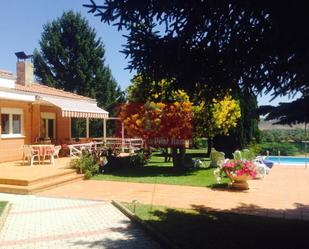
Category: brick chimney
[24,71]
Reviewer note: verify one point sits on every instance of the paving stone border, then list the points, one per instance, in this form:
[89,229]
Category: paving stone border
[4,214]
[162,239]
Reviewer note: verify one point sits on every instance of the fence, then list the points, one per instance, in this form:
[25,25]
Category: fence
[130,144]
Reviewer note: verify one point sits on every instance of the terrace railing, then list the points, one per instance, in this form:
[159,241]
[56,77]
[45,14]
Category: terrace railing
[131,144]
[76,149]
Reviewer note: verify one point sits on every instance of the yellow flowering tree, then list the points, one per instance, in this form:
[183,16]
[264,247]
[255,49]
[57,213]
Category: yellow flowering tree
[216,117]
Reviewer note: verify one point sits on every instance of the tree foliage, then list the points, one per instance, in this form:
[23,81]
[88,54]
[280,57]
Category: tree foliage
[288,113]
[163,90]
[159,111]
[159,114]
[216,117]
[247,132]
[216,45]
[72,58]
[159,120]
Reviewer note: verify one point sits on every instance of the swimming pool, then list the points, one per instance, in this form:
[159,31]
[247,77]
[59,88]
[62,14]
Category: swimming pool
[289,160]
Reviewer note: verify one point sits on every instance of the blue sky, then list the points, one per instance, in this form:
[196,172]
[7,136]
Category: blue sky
[21,26]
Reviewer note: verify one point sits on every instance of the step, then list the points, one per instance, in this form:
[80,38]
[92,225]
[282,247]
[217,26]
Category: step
[41,186]
[23,181]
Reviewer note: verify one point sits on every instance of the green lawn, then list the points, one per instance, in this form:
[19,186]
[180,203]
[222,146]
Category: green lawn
[162,172]
[190,229]
[2,205]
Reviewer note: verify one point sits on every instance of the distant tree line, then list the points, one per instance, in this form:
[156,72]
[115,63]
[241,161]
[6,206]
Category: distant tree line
[288,142]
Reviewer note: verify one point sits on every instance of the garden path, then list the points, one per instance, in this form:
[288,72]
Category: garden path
[41,222]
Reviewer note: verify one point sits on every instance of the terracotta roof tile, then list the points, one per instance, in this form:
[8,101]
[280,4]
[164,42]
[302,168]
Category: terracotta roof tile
[38,88]
[6,74]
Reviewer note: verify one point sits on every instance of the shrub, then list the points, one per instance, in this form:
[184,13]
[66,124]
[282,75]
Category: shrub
[200,143]
[87,164]
[255,148]
[140,159]
[286,149]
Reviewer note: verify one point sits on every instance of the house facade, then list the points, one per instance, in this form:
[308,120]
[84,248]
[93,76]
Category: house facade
[30,111]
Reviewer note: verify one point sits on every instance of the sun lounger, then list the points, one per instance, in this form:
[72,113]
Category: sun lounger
[261,167]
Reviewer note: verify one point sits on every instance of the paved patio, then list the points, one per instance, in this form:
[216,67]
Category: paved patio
[39,222]
[283,193]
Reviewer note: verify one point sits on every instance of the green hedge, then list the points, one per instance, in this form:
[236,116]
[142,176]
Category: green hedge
[286,149]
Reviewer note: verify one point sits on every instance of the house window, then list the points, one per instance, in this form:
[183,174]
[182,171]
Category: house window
[5,123]
[11,122]
[78,127]
[16,123]
[96,128]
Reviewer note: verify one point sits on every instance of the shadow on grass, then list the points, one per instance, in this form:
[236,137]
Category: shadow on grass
[215,230]
[151,171]
[200,177]
[192,155]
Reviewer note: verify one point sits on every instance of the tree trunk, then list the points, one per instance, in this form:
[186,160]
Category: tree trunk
[174,157]
[182,153]
[209,147]
[178,158]
[166,155]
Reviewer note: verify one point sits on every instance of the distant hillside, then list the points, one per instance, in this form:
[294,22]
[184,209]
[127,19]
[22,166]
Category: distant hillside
[268,125]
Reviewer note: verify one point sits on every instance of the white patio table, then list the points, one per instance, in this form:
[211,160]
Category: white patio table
[44,150]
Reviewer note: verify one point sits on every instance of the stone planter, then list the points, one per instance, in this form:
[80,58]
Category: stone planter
[240,182]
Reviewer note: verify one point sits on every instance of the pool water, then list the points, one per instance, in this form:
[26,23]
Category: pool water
[288,160]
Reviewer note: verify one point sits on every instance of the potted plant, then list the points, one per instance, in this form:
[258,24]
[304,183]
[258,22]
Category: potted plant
[238,171]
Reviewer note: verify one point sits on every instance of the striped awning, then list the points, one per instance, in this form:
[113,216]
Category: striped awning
[75,108]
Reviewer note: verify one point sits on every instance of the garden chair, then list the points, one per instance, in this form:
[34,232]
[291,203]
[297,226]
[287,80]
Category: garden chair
[50,154]
[29,153]
[56,151]
[216,157]
[237,155]
[261,168]
[247,154]
[244,154]
[199,163]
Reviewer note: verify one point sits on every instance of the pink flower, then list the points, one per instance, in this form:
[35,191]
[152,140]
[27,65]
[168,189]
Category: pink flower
[239,167]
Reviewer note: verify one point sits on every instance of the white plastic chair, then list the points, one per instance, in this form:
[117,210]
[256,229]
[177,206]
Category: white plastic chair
[216,158]
[57,150]
[51,155]
[261,168]
[30,154]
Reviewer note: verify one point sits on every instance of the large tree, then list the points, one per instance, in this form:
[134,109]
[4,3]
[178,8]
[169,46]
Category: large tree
[71,58]
[217,45]
[161,114]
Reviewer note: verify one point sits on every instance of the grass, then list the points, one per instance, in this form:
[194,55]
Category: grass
[2,206]
[163,172]
[213,230]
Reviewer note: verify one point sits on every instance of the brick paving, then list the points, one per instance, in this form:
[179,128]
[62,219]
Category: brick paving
[283,193]
[41,222]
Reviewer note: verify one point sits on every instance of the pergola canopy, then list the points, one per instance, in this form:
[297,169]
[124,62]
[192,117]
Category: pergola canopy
[75,108]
